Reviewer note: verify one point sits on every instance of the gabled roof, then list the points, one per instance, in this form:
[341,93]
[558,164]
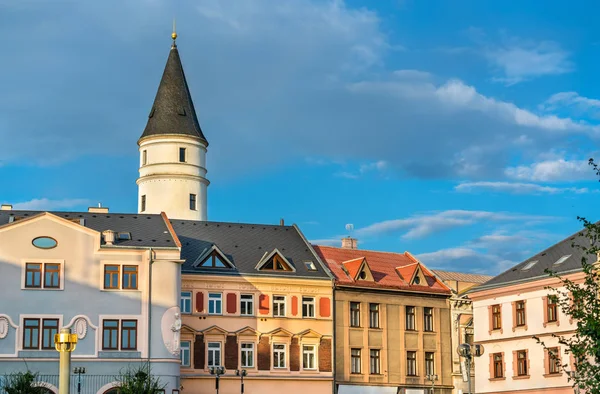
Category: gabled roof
[462,276]
[388,270]
[173,110]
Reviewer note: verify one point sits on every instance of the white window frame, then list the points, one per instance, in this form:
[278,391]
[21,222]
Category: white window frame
[217,301]
[214,350]
[20,338]
[249,354]
[249,304]
[309,350]
[186,347]
[310,304]
[185,297]
[61,285]
[279,351]
[280,303]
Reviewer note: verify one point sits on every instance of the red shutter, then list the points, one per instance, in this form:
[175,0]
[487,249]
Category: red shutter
[263,304]
[325,307]
[294,306]
[199,301]
[231,302]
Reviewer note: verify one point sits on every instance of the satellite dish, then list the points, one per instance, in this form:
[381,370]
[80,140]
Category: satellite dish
[349,227]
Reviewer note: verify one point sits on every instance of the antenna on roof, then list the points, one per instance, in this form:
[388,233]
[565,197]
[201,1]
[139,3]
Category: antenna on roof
[350,228]
[99,205]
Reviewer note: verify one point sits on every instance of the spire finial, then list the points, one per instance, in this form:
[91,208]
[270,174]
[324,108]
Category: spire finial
[174,34]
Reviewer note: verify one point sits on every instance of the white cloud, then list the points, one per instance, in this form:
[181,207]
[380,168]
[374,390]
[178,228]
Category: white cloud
[552,171]
[516,188]
[45,204]
[573,101]
[412,74]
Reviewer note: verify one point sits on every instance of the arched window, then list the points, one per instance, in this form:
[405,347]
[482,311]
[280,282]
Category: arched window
[113,390]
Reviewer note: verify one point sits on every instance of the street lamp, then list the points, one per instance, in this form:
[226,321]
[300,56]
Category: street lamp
[432,378]
[65,343]
[241,374]
[79,371]
[217,371]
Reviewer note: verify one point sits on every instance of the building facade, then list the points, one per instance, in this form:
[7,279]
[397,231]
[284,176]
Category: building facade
[114,280]
[392,323]
[517,305]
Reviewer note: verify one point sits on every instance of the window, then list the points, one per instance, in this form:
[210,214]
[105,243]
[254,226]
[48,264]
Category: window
[49,272]
[214,303]
[185,353]
[31,334]
[214,354]
[529,265]
[428,319]
[429,363]
[128,334]
[124,236]
[374,356]
[552,308]
[51,276]
[553,360]
[496,317]
[562,260]
[130,277]
[374,315]
[279,306]
[355,361]
[309,356]
[308,306]
[355,314]
[182,155]
[498,365]
[310,266]
[185,302]
[192,201]
[143,204]
[49,329]
[110,335]
[38,332]
[278,355]
[111,276]
[276,263]
[410,318]
[411,363]
[33,275]
[247,305]
[214,260]
[522,367]
[520,310]
[247,355]
[144,157]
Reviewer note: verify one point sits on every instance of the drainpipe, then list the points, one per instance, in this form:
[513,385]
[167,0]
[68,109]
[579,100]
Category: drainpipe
[150,261]
[334,341]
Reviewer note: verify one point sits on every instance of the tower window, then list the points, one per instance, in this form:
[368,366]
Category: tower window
[143,207]
[144,157]
[193,202]
[182,155]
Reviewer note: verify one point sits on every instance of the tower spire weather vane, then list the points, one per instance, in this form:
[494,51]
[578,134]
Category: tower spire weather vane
[174,34]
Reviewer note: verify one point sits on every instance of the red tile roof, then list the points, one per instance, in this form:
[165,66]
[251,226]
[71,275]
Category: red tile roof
[352,266]
[390,270]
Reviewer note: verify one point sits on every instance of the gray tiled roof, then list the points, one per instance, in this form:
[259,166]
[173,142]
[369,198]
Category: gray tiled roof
[245,245]
[146,230]
[173,109]
[545,259]
[462,276]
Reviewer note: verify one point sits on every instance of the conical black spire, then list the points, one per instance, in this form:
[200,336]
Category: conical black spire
[173,110]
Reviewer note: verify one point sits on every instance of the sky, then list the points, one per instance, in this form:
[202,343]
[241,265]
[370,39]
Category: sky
[458,131]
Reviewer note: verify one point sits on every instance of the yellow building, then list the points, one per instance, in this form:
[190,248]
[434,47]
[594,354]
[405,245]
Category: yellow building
[392,323]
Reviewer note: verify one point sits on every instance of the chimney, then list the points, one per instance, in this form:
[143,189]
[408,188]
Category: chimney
[6,207]
[109,237]
[281,222]
[349,243]
[98,209]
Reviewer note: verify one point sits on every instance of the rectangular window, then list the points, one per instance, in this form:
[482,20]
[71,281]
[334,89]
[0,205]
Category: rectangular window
[374,315]
[33,275]
[428,319]
[182,155]
[144,157]
[410,318]
[279,306]
[129,334]
[308,306]
[31,334]
[522,367]
[520,309]
[246,305]
[214,354]
[496,317]
[355,314]
[185,353]
[374,353]
[309,357]
[185,302]
[49,329]
[52,276]
[411,363]
[215,303]
[247,355]
[498,365]
[192,201]
[111,276]
[143,204]
[552,308]
[278,355]
[429,363]
[355,361]
[110,335]
[130,277]
[553,360]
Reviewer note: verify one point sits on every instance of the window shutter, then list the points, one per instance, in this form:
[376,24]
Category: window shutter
[231,303]
[294,306]
[514,316]
[324,307]
[231,352]
[491,322]
[295,355]
[264,354]
[199,302]
[199,352]
[546,362]
[515,364]
[263,305]
[545,303]
[491,365]
[325,351]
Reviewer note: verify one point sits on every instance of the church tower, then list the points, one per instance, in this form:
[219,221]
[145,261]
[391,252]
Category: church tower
[173,150]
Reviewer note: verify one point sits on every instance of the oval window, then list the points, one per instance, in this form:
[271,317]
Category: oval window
[44,243]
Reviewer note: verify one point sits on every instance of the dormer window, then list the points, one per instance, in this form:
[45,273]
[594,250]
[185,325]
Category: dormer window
[213,261]
[213,258]
[310,266]
[124,236]
[275,261]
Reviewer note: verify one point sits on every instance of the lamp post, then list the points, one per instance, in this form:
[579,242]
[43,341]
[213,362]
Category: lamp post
[432,378]
[464,350]
[217,371]
[241,374]
[65,343]
[79,371]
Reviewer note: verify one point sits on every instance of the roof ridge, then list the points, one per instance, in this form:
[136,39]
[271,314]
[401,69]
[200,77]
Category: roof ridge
[364,250]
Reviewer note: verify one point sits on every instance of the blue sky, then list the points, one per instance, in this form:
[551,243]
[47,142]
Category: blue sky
[459,131]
